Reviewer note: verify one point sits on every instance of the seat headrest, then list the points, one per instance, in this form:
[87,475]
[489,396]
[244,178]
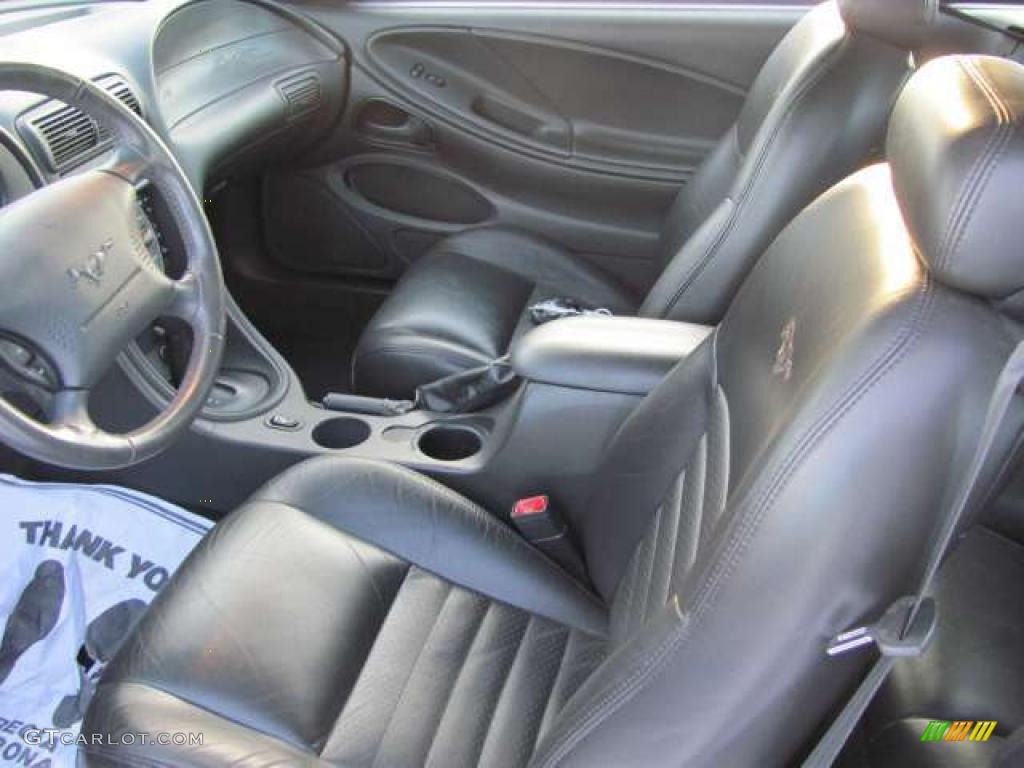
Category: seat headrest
[957,160]
[902,23]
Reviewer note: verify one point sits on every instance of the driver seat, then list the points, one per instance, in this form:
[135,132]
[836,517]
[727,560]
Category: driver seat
[779,486]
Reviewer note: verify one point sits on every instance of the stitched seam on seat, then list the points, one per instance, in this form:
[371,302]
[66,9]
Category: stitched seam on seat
[550,685]
[458,677]
[495,526]
[699,465]
[984,165]
[665,551]
[612,698]
[453,583]
[747,527]
[992,90]
[581,725]
[412,672]
[677,521]
[369,574]
[504,685]
[551,690]
[630,579]
[220,715]
[494,700]
[720,439]
[956,221]
[1000,141]
[366,657]
[742,199]
[477,513]
[446,701]
[635,613]
[649,565]
[886,361]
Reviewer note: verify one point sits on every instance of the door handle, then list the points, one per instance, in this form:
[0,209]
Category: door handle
[385,122]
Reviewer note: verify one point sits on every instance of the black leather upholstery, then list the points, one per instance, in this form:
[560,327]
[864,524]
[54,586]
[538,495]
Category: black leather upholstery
[906,23]
[816,112]
[304,628]
[462,305]
[971,156]
[758,501]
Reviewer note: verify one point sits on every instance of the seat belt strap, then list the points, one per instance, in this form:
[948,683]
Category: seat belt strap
[908,625]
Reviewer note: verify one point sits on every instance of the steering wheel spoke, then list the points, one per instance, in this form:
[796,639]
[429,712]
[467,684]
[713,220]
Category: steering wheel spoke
[187,299]
[129,164]
[70,411]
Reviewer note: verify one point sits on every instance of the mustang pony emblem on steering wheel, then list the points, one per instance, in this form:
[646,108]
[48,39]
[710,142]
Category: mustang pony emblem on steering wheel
[93,268]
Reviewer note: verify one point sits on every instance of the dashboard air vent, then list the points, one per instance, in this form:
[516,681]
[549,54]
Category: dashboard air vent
[66,134]
[67,137]
[302,92]
[119,89]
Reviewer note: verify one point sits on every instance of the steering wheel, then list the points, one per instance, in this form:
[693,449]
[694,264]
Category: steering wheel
[78,284]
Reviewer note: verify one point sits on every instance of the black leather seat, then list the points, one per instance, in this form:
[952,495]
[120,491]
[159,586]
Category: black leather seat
[816,112]
[778,486]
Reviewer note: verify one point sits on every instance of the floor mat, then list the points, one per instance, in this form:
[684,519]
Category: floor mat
[78,566]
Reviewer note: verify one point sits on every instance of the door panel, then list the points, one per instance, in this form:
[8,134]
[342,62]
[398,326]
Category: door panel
[454,73]
[579,123]
[574,101]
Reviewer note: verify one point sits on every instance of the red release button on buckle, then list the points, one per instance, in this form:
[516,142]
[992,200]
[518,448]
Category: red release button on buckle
[534,505]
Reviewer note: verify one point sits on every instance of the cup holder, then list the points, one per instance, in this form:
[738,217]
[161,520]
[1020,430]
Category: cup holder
[342,432]
[449,443]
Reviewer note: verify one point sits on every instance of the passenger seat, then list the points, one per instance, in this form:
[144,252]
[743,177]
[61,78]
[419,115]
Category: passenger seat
[816,112]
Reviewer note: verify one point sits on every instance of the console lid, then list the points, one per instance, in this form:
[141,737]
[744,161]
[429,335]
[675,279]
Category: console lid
[629,355]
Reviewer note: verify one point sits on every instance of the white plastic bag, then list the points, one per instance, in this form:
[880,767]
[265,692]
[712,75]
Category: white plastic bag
[78,566]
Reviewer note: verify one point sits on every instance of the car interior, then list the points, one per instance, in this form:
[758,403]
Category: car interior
[533,383]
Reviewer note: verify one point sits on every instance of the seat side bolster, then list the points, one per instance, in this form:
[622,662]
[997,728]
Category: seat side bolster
[430,526]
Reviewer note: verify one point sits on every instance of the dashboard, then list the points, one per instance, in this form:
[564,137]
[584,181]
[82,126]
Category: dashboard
[230,85]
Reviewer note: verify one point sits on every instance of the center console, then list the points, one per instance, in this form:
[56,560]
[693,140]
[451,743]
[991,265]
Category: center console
[579,379]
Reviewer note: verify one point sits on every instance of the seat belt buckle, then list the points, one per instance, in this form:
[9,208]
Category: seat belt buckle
[545,529]
[890,634]
[536,520]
